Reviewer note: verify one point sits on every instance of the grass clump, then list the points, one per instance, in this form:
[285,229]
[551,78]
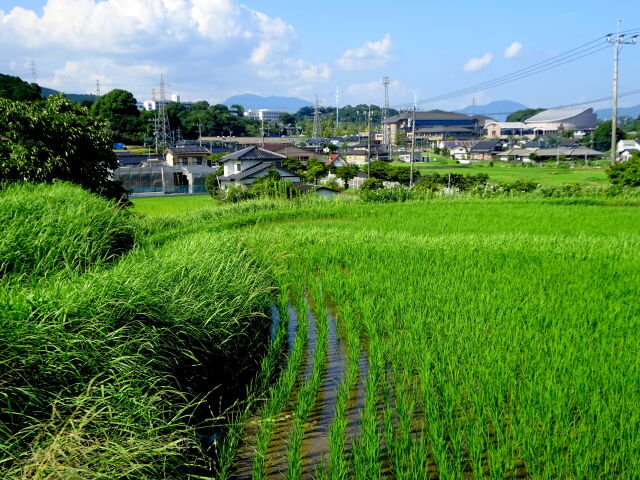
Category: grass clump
[111,374]
[47,228]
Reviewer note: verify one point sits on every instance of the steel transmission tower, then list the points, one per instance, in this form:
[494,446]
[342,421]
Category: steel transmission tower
[316,119]
[34,71]
[337,106]
[162,129]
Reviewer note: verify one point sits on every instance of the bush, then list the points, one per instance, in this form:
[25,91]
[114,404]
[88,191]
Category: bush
[394,194]
[371,184]
[211,184]
[233,193]
[46,228]
[626,173]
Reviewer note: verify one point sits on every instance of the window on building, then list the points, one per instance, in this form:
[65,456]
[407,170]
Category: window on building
[198,161]
[183,161]
[238,167]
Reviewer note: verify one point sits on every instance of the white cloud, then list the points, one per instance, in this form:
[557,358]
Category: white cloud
[513,50]
[477,63]
[207,47]
[369,55]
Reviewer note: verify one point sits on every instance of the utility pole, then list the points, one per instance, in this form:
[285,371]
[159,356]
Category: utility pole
[413,143]
[617,42]
[98,88]
[369,142]
[386,81]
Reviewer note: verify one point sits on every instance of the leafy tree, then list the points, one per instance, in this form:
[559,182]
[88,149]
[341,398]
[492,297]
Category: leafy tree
[315,170]
[601,137]
[14,88]
[371,184]
[522,115]
[119,108]
[347,173]
[401,138]
[293,165]
[56,140]
[379,169]
[626,173]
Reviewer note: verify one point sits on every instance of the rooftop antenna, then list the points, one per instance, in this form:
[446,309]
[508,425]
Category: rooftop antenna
[162,130]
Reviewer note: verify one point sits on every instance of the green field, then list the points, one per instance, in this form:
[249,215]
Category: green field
[545,175]
[169,205]
[450,338]
[500,337]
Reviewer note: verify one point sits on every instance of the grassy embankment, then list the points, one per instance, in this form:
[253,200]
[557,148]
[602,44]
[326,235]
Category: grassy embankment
[115,364]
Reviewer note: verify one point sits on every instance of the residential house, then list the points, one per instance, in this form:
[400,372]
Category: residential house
[248,164]
[291,151]
[336,160]
[626,148]
[485,150]
[184,155]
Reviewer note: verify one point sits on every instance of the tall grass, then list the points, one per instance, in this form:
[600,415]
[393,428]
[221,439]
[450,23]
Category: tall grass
[47,228]
[103,373]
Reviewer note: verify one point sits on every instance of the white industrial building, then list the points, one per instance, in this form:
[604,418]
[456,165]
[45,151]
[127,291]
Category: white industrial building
[265,114]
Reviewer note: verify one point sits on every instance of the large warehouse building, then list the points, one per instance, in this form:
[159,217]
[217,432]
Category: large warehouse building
[580,120]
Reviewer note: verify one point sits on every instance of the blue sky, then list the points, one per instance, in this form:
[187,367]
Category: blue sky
[210,49]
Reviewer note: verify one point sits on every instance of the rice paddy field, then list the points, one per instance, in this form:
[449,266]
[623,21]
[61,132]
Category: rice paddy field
[548,174]
[447,338]
[462,339]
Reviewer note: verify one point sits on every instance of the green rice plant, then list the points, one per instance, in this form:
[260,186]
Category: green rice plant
[47,228]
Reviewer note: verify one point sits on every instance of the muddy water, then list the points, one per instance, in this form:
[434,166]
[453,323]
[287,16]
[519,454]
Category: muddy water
[276,458]
[243,466]
[314,445]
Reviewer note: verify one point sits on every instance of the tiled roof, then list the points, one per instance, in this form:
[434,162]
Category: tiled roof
[253,153]
[187,150]
[255,169]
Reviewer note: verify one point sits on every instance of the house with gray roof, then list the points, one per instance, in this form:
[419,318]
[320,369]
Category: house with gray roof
[247,165]
[187,155]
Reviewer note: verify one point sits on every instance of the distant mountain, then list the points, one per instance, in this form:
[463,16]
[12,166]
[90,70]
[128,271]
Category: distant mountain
[254,102]
[74,97]
[499,109]
[605,113]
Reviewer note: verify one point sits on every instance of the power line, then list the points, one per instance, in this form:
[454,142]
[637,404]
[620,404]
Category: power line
[574,54]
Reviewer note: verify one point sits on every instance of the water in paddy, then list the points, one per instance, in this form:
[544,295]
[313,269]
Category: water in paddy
[315,449]
[243,463]
[314,444]
[276,458]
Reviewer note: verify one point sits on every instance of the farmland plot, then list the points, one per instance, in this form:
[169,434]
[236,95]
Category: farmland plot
[470,339]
